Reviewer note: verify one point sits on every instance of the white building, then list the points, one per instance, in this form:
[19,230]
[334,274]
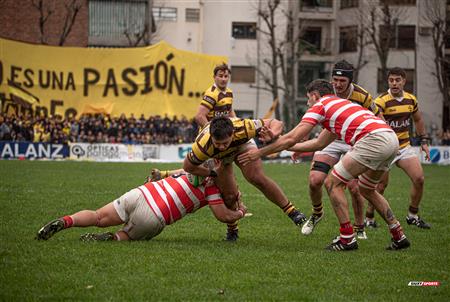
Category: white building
[228,27]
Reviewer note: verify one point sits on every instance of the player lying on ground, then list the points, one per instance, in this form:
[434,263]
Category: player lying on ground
[374,147]
[146,210]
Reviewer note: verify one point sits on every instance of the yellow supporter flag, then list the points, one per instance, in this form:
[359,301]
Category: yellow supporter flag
[158,79]
[271,110]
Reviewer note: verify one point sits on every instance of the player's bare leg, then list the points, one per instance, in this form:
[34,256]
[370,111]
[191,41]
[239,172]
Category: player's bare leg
[413,169]
[358,209]
[370,210]
[103,217]
[368,180]
[226,182]
[254,174]
[318,173]
[156,174]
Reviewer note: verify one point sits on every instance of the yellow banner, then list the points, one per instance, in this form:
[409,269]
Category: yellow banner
[151,80]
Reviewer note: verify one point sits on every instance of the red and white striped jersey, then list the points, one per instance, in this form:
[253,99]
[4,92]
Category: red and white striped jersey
[174,197]
[348,120]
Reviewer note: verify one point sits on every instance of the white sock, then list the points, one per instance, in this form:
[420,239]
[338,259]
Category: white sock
[411,215]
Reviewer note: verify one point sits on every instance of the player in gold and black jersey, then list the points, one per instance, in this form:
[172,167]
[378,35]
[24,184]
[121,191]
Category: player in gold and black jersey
[217,99]
[398,108]
[223,139]
[324,160]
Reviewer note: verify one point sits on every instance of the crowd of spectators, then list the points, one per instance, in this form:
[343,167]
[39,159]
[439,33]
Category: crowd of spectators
[101,128]
[98,128]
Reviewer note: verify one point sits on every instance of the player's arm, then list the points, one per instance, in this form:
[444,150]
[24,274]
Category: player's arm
[323,140]
[421,132]
[225,215]
[283,143]
[197,169]
[201,116]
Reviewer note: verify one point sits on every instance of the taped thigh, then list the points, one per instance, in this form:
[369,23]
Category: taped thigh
[366,182]
[341,173]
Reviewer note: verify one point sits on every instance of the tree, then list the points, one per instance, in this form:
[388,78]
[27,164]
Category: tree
[44,14]
[282,33]
[72,8]
[381,26]
[362,42]
[136,33]
[435,15]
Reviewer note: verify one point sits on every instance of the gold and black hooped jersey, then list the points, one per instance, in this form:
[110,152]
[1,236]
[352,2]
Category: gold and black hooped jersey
[361,97]
[218,102]
[203,148]
[398,114]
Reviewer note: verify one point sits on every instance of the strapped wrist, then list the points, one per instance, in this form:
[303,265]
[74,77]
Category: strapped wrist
[424,140]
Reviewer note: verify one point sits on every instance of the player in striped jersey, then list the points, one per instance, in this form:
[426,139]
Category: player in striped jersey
[147,209]
[224,139]
[218,99]
[399,107]
[324,160]
[374,146]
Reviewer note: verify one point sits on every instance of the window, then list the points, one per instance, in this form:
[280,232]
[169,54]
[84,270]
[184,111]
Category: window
[317,5]
[244,113]
[447,35]
[192,15]
[382,84]
[349,3]
[402,36]
[165,13]
[112,18]
[244,30]
[348,38]
[312,39]
[243,74]
[399,2]
[308,71]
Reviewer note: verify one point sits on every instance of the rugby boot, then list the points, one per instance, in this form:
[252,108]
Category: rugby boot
[403,243]
[418,222]
[297,217]
[108,236]
[309,226]
[50,229]
[338,245]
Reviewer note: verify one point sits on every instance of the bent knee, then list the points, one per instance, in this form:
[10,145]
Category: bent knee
[353,187]
[316,182]
[419,181]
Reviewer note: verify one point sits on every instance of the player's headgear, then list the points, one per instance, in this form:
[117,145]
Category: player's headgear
[343,69]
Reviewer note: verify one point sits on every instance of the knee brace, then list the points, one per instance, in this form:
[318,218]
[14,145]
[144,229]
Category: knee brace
[321,167]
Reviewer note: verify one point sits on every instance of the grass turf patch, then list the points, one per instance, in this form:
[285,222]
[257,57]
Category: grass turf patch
[190,261]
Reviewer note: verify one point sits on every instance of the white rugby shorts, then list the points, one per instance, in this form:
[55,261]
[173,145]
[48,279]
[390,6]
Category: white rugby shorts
[141,223]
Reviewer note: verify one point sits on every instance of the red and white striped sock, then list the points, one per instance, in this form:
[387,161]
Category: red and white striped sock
[68,221]
[346,231]
[396,231]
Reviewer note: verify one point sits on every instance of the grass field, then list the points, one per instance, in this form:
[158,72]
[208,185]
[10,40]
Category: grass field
[190,262]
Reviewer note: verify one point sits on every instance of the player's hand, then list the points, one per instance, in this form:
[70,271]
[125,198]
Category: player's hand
[249,156]
[427,152]
[266,135]
[295,156]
